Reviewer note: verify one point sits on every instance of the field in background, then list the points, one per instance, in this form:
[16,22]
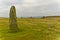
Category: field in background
[32,29]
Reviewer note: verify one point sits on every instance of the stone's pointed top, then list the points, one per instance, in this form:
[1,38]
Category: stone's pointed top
[13,6]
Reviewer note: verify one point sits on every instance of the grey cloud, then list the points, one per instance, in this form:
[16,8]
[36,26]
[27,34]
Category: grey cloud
[50,9]
[27,8]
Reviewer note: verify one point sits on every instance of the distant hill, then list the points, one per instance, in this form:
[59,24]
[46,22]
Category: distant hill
[52,16]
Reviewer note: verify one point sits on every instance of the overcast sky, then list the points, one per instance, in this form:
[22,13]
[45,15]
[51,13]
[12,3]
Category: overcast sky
[26,8]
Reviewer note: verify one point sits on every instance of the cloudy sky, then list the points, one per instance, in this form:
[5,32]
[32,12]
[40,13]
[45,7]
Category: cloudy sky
[26,8]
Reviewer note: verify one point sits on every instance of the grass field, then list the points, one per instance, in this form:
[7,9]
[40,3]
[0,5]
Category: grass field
[32,29]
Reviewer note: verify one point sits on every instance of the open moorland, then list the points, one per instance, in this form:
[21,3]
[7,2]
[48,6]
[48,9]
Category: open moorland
[32,29]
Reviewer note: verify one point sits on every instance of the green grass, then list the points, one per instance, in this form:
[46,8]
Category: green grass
[32,29]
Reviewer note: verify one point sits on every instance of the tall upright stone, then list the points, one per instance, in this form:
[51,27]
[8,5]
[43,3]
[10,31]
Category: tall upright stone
[13,20]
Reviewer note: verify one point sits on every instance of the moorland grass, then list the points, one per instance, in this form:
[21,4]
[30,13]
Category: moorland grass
[31,29]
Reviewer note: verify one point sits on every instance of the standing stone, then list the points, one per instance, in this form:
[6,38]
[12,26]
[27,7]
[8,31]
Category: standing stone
[13,20]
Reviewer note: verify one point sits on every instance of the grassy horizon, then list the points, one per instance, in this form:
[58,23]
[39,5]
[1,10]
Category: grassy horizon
[31,29]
